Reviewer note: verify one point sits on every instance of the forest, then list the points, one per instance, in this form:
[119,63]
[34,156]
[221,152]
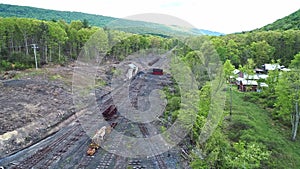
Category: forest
[291,21]
[239,142]
[59,41]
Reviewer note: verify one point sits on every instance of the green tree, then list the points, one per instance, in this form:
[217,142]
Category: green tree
[287,91]
[273,77]
[228,69]
[220,46]
[248,69]
[213,153]
[85,23]
[26,28]
[77,25]
[233,52]
[261,52]
[228,72]
[58,38]
[295,64]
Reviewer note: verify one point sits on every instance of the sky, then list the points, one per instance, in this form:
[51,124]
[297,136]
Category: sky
[225,16]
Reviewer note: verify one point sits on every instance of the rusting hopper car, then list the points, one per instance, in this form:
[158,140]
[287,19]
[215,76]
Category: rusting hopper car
[110,112]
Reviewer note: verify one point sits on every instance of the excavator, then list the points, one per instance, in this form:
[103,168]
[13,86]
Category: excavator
[98,138]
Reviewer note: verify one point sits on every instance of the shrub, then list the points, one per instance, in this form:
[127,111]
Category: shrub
[248,155]
[5,65]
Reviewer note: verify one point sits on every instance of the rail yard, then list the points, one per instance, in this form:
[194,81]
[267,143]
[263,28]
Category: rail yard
[68,144]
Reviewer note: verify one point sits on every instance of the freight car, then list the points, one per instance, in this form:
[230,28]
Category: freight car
[156,71]
[110,112]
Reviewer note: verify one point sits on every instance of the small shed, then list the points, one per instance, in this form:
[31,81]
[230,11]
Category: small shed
[247,85]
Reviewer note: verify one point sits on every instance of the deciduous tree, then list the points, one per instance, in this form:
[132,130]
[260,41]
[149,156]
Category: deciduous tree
[287,91]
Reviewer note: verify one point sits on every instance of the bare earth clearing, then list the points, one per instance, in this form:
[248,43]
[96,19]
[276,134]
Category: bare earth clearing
[39,127]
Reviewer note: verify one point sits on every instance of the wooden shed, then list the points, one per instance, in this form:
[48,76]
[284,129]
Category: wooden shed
[247,85]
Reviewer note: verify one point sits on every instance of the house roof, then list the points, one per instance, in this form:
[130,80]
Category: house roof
[236,71]
[249,82]
[258,70]
[262,76]
[239,79]
[264,85]
[251,77]
[286,69]
[272,66]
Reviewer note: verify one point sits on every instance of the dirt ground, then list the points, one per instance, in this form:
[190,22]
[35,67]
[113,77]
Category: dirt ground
[33,102]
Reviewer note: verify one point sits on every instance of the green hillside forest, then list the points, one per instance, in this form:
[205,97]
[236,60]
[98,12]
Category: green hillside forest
[257,130]
[99,21]
[289,22]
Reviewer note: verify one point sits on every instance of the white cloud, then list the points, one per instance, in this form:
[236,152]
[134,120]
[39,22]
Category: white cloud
[226,16]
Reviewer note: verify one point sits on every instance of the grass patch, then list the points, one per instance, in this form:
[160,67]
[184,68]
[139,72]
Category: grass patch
[251,123]
[55,77]
[29,73]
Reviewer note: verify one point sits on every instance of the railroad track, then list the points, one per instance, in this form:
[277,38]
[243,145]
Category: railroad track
[160,162]
[145,132]
[44,152]
[104,101]
[59,152]
[119,94]
[106,159]
[143,129]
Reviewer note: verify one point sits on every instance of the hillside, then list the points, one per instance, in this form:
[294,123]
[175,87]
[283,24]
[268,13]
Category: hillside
[252,123]
[98,20]
[291,21]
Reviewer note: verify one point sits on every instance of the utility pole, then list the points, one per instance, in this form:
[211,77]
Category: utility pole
[34,46]
[230,113]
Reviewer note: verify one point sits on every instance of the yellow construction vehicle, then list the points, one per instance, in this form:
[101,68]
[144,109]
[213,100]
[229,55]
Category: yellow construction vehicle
[96,140]
[92,149]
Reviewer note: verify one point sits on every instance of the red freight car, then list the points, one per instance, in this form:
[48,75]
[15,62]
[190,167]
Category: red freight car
[110,112]
[157,72]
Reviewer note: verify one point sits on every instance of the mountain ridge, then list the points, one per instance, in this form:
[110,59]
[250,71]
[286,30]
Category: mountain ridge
[291,21]
[7,10]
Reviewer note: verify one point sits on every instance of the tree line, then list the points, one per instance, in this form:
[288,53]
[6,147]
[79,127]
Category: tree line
[58,41]
[261,46]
